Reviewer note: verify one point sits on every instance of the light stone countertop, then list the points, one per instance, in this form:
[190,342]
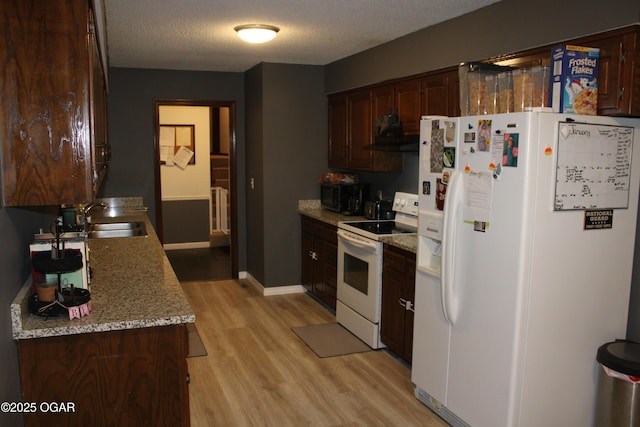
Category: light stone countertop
[311,208]
[133,286]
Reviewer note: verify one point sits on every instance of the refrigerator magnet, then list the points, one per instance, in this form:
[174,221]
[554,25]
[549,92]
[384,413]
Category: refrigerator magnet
[598,219]
[484,135]
[510,150]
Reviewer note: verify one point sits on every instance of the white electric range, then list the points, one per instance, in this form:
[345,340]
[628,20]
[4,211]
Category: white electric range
[360,267]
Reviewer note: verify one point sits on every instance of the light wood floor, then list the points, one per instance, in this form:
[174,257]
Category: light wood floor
[259,373]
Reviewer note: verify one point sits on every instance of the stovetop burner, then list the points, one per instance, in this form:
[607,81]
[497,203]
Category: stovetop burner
[382,227]
[405,206]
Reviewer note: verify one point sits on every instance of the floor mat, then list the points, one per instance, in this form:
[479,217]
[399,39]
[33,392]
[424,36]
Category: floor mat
[330,339]
[196,346]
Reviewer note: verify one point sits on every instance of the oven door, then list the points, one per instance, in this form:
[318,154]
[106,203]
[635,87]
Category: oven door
[360,274]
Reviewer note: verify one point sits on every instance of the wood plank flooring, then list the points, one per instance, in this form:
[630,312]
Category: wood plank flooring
[259,373]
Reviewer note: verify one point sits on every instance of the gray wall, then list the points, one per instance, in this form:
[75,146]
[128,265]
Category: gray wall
[286,154]
[501,28]
[185,221]
[131,129]
[255,168]
[17,227]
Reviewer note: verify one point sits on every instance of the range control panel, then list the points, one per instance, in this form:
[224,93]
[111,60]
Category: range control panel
[406,203]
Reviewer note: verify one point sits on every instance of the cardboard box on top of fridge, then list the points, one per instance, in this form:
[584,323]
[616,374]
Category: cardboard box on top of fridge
[575,80]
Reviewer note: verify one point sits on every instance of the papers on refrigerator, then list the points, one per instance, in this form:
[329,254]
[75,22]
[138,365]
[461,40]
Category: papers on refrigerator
[478,194]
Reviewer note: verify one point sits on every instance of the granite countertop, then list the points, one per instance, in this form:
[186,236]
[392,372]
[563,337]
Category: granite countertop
[311,208]
[133,286]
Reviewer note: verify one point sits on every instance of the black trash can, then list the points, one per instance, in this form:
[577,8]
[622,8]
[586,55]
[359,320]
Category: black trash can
[618,396]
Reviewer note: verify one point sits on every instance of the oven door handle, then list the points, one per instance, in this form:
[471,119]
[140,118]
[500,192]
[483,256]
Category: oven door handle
[371,247]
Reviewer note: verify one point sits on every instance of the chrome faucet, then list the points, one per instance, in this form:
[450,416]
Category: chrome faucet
[86,211]
[89,207]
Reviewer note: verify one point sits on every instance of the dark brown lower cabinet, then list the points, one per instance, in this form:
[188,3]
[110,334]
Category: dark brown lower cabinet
[133,377]
[398,290]
[319,259]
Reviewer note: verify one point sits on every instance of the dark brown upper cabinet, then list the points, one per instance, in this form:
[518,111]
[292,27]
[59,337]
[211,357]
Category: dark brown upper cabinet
[53,120]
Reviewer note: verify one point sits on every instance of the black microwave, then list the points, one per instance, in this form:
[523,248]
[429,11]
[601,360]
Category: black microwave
[347,199]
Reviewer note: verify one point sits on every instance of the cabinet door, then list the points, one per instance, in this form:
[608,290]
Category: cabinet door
[398,295]
[360,130]
[45,120]
[101,150]
[132,377]
[338,127]
[439,94]
[618,57]
[306,254]
[407,96]
[382,103]
[319,259]
[330,264]
[410,297]
[392,318]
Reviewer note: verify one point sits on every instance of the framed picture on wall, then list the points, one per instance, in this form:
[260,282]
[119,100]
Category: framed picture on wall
[173,138]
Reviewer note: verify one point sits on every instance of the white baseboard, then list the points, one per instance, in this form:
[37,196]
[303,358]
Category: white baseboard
[186,245]
[272,290]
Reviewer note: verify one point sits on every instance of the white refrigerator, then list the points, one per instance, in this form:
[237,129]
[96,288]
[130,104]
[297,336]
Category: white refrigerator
[526,236]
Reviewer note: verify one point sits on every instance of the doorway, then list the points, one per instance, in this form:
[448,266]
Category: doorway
[182,205]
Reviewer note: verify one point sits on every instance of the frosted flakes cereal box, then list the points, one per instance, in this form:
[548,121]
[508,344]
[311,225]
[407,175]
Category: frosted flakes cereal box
[574,82]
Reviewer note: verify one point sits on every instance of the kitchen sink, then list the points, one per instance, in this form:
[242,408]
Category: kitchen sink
[106,230]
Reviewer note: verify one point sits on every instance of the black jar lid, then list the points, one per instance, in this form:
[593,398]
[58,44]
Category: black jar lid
[621,356]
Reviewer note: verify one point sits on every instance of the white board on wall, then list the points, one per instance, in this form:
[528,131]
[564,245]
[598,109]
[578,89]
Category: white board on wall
[194,181]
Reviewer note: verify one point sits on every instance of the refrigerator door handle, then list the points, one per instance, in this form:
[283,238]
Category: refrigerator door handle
[452,211]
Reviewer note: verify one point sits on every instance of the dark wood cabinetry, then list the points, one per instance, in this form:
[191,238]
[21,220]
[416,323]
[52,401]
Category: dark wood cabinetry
[398,290]
[53,120]
[352,120]
[360,130]
[407,102]
[319,259]
[618,73]
[439,93]
[116,378]
[338,124]
[352,127]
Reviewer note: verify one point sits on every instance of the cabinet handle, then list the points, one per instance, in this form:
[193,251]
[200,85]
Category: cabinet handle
[188,379]
[313,255]
[408,305]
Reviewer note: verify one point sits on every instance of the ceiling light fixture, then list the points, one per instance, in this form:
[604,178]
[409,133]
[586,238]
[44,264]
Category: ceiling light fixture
[256,33]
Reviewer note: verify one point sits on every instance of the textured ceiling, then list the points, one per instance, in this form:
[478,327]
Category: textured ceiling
[199,35]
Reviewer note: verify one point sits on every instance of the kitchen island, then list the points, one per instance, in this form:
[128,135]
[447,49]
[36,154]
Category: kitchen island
[124,363]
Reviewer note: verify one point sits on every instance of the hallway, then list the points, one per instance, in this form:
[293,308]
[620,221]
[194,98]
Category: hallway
[201,264]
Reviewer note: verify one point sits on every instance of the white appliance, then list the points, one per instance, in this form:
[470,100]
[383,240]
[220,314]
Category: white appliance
[525,249]
[360,267]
